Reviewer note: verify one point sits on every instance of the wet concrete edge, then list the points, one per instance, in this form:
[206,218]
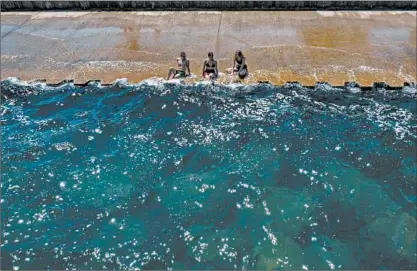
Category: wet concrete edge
[347,85]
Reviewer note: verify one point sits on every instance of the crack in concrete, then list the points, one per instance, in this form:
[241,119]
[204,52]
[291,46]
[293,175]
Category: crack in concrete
[17,28]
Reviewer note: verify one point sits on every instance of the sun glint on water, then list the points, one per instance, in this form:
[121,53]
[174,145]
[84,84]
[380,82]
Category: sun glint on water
[172,176]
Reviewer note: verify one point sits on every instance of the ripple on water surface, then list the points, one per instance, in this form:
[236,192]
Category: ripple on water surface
[172,176]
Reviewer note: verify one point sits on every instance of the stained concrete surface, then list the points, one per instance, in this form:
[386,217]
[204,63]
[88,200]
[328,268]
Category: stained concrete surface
[280,46]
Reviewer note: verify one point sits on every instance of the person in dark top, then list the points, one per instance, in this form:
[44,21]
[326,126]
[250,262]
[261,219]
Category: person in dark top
[239,65]
[210,69]
[239,60]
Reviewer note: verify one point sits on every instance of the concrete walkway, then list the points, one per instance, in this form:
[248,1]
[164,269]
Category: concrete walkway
[280,46]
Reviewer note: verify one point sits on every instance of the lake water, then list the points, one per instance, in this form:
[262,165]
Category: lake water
[173,176]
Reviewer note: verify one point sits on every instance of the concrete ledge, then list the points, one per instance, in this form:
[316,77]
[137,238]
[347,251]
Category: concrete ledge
[63,82]
[205,5]
[375,87]
[280,46]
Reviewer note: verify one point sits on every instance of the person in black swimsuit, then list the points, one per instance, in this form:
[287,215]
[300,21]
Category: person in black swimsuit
[239,65]
[239,60]
[210,67]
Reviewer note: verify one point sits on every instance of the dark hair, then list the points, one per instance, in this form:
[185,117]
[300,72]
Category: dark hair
[210,54]
[182,53]
[239,52]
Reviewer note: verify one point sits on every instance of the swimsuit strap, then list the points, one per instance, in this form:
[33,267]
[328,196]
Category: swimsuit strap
[210,65]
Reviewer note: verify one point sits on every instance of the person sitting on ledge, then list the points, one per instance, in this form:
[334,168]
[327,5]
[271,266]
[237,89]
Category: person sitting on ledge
[240,60]
[210,70]
[183,66]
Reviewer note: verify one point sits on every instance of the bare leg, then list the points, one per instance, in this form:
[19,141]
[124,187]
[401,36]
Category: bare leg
[232,71]
[171,73]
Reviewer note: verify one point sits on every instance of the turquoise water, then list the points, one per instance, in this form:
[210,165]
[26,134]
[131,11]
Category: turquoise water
[172,176]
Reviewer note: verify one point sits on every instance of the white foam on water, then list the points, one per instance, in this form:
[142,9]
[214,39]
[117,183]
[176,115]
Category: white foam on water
[23,83]
[353,90]
[153,81]
[410,90]
[177,81]
[204,83]
[122,82]
[38,85]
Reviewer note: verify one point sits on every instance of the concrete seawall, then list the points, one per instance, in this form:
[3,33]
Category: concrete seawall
[205,5]
[280,46]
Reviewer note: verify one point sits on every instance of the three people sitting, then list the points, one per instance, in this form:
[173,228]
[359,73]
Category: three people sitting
[210,67]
